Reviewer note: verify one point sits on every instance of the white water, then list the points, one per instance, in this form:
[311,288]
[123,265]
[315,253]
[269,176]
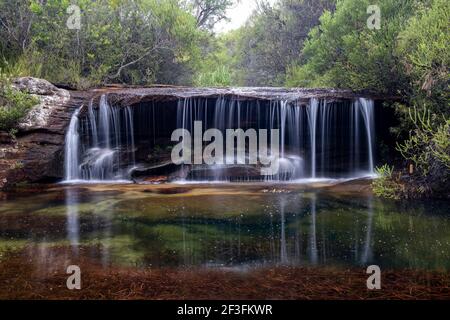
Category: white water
[101,146]
[98,156]
[72,149]
[312,117]
[367,109]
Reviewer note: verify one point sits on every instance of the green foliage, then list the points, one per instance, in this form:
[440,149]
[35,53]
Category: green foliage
[307,43]
[14,105]
[218,66]
[208,12]
[131,41]
[219,77]
[428,151]
[343,52]
[423,51]
[273,39]
[408,57]
[385,185]
[428,148]
[24,65]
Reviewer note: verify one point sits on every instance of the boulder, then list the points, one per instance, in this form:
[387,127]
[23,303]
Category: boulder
[37,153]
[51,98]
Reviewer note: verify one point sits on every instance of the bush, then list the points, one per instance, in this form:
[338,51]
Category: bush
[221,77]
[385,185]
[14,105]
[428,151]
[424,55]
[428,148]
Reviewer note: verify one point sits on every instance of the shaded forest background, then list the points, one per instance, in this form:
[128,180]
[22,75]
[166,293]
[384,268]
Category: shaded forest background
[294,43]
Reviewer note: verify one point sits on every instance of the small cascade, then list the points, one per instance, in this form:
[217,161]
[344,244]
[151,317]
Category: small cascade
[318,139]
[72,148]
[325,123]
[291,164]
[367,109]
[313,111]
[104,119]
[98,156]
[93,125]
[129,129]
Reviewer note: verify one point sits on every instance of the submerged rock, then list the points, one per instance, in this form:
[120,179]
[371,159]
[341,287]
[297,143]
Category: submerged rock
[225,172]
[158,173]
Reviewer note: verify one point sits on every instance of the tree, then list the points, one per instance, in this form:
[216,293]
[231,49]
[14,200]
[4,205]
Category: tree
[131,41]
[209,12]
[423,51]
[273,38]
[15,27]
[343,52]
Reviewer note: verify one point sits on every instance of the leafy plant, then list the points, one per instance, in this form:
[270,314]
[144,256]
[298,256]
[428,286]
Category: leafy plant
[428,148]
[385,185]
[220,77]
[14,105]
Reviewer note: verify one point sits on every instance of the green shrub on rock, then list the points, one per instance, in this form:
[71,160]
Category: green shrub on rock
[14,105]
[386,185]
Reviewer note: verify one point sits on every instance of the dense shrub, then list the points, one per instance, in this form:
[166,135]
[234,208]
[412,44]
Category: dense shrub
[428,149]
[387,185]
[14,105]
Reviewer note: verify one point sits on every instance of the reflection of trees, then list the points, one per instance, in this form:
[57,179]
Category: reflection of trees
[284,228]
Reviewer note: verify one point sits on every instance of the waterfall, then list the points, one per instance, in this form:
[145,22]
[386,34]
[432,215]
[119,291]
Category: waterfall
[367,109]
[72,149]
[323,119]
[318,138]
[283,115]
[93,124]
[104,121]
[95,146]
[325,112]
[312,116]
[291,164]
[130,135]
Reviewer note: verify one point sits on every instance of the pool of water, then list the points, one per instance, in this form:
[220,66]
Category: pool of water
[225,226]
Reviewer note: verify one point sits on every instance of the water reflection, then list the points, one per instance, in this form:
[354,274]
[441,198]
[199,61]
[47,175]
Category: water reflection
[73,223]
[283,250]
[367,254]
[313,232]
[228,229]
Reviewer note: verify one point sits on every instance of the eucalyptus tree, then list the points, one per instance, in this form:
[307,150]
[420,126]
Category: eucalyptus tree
[209,12]
[15,27]
[273,38]
[132,41]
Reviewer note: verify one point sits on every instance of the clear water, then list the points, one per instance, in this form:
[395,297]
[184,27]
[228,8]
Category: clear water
[226,226]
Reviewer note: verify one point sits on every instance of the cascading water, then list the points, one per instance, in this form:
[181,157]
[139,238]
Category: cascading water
[367,109]
[72,148]
[98,156]
[312,117]
[320,139]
